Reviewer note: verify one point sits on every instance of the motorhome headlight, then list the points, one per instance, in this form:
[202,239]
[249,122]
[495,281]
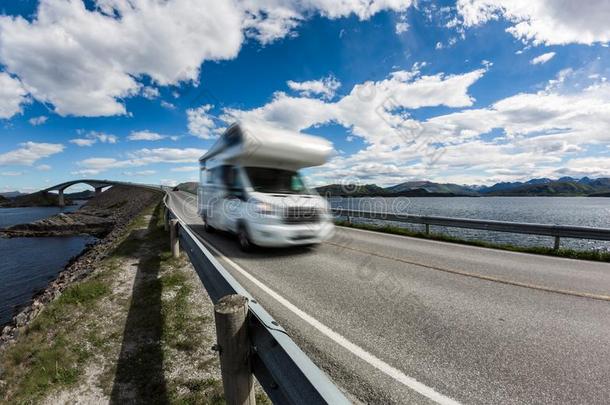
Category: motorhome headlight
[263,208]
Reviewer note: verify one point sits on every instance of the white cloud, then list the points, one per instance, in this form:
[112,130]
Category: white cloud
[167,105]
[29,153]
[548,22]
[534,132]
[141,157]
[11,174]
[324,87]
[104,138]
[86,172]
[43,168]
[140,173]
[104,51]
[402,25]
[268,20]
[93,137]
[168,182]
[150,93]
[372,110]
[82,141]
[145,136]
[166,155]
[35,121]
[194,169]
[594,166]
[541,59]
[12,95]
[200,122]
[100,164]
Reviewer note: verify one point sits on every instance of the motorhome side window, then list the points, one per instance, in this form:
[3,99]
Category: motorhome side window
[231,178]
[215,176]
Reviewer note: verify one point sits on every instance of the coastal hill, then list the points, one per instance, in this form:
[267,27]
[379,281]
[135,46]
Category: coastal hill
[38,199]
[189,187]
[97,217]
[565,186]
[11,194]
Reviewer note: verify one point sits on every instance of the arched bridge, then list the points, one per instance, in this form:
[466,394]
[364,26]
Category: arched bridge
[98,185]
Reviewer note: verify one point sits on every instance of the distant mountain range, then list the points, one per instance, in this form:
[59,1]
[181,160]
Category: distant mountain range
[565,186]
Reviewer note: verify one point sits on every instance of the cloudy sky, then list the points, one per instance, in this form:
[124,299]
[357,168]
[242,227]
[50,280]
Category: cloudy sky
[470,92]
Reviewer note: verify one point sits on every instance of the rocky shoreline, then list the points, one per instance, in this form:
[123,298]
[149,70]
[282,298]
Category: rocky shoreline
[90,222]
[107,216]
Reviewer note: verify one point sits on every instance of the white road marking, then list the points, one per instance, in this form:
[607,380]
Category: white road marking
[379,364]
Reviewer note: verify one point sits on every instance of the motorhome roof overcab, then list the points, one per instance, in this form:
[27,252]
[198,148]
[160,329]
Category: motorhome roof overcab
[250,185]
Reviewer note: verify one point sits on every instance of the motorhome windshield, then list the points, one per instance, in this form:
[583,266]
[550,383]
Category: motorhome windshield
[267,180]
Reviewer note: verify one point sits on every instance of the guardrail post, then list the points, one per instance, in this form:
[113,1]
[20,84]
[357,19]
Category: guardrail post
[427,229]
[173,238]
[557,242]
[231,313]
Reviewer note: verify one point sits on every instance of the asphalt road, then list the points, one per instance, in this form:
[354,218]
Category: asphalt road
[406,320]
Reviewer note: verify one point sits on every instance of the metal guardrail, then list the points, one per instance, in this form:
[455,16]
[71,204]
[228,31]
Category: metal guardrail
[556,231]
[286,374]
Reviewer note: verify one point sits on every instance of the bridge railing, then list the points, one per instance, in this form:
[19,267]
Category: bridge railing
[556,231]
[286,374]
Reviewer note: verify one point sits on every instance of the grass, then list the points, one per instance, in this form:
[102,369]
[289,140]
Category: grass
[146,343]
[52,351]
[84,293]
[47,356]
[86,324]
[593,255]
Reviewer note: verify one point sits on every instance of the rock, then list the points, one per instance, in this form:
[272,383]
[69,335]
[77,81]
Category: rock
[21,318]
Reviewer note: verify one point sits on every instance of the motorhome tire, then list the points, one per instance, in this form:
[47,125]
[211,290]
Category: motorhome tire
[244,240]
[207,227]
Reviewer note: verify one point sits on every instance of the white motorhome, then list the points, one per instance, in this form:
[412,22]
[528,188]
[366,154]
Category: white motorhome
[250,185]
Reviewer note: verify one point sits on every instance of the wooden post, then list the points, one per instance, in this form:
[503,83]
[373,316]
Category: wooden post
[173,238]
[165,219]
[427,229]
[557,242]
[231,313]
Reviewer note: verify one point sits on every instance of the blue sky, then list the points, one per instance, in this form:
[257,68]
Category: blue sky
[466,92]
